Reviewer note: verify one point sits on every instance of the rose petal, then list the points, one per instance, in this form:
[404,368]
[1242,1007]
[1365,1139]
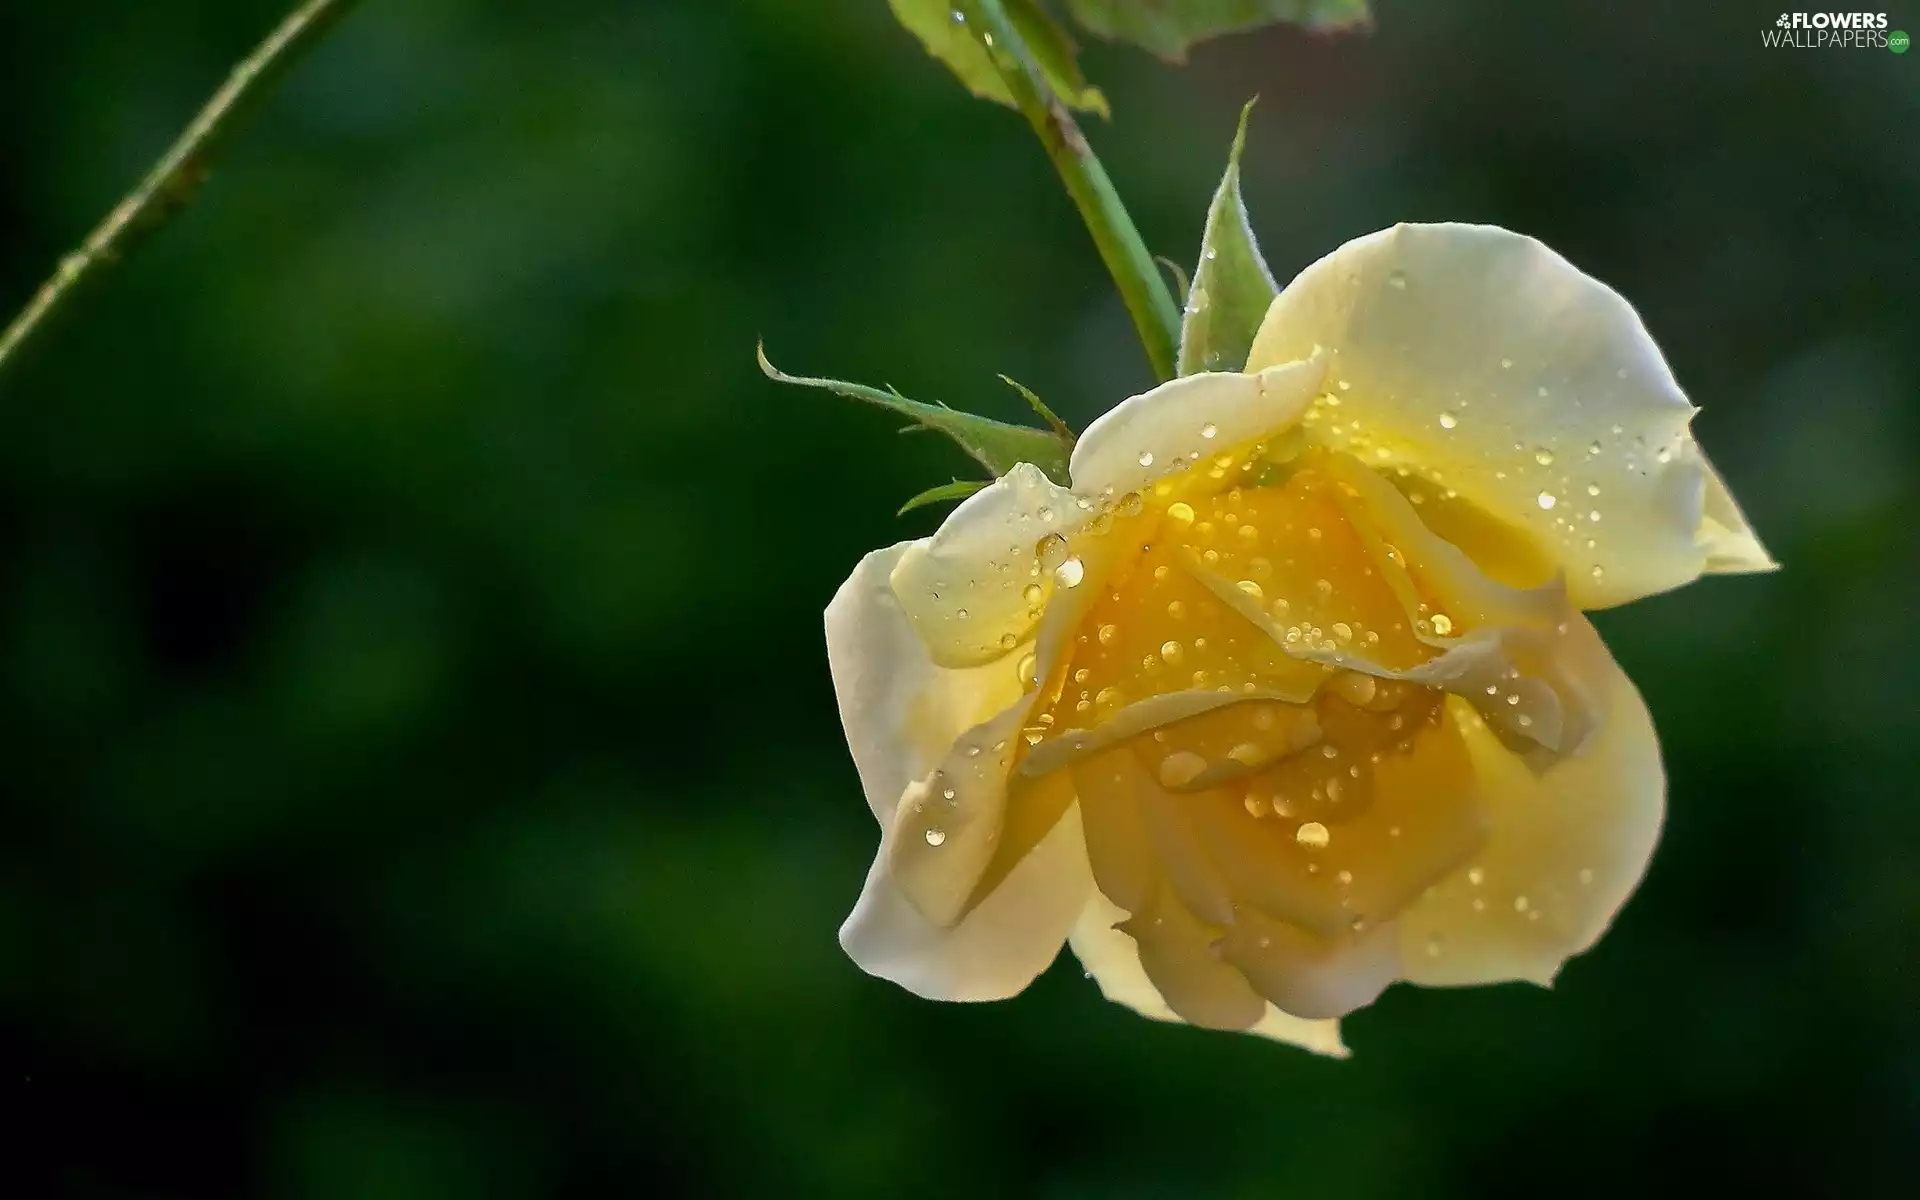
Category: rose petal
[901,712]
[1490,364]
[1564,850]
[947,826]
[997,948]
[1310,977]
[1113,959]
[1729,542]
[976,589]
[1147,437]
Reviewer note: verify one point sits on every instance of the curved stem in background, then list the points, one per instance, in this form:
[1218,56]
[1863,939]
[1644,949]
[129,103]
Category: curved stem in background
[1141,285]
[171,183]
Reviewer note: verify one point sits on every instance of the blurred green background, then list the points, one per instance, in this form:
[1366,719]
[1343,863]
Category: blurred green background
[421,777]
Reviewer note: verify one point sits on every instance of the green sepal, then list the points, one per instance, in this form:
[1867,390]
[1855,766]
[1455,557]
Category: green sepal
[1039,406]
[959,489]
[1170,27]
[1232,287]
[940,27]
[995,445]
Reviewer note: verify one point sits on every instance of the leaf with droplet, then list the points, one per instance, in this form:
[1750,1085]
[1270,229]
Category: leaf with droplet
[1170,27]
[1232,287]
[945,33]
[959,489]
[996,445]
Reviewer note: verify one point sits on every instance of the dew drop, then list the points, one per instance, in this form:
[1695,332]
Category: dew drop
[1146,458]
[1252,589]
[1448,420]
[935,835]
[1172,652]
[1356,689]
[1180,511]
[1108,633]
[1069,573]
[1209,431]
[1543,456]
[1547,500]
[1177,610]
[1181,768]
[1313,835]
[1051,550]
[1442,624]
[1031,594]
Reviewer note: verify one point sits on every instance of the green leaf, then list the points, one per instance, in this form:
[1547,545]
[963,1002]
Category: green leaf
[959,489]
[1232,288]
[958,45]
[995,445]
[1170,27]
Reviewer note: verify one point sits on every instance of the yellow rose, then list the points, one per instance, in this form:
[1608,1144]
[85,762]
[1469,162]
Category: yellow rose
[1290,696]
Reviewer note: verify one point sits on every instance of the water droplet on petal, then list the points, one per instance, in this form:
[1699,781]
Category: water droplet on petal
[1448,420]
[1180,511]
[1442,624]
[1146,458]
[935,835]
[1069,573]
[1051,550]
[1313,835]
[1209,431]
[1547,500]
[1181,768]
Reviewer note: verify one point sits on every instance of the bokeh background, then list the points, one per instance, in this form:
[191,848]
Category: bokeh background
[420,777]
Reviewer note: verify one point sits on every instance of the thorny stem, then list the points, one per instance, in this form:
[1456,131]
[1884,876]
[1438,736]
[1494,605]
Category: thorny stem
[170,185]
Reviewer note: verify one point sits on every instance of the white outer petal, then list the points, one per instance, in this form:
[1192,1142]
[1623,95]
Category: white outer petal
[900,711]
[998,948]
[1571,843]
[1113,960]
[1167,424]
[979,563]
[1524,350]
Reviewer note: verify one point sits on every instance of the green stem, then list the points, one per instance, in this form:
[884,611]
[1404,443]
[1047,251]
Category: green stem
[1141,286]
[172,181]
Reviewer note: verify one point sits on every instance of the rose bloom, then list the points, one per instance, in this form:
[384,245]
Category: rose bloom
[1291,696]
